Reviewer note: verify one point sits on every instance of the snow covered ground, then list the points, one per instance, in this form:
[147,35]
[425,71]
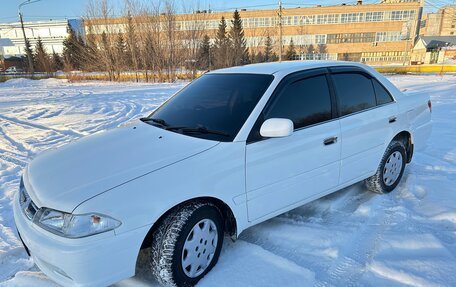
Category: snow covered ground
[350,238]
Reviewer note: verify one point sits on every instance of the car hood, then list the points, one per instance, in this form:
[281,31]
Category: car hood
[65,177]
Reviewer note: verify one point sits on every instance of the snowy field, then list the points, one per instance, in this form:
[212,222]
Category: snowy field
[350,238]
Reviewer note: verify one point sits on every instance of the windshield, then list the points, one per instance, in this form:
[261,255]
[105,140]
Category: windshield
[214,106]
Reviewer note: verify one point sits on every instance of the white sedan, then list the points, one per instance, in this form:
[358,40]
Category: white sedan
[232,149]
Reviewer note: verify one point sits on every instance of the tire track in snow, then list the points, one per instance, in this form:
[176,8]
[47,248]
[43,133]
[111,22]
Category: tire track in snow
[42,127]
[357,255]
[15,144]
[12,157]
[114,107]
[419,224]
[358,248]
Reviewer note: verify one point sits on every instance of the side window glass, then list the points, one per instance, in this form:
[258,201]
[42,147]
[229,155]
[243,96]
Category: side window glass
[382,95]
[305,102]
[355,92]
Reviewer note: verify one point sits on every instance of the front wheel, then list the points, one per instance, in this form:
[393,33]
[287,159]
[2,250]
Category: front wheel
[390,170]
[187,244]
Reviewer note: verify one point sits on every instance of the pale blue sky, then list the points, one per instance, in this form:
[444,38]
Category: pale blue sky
[59,9]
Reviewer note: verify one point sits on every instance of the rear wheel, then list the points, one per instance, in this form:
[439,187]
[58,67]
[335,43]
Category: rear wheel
[187,244]
[390,170]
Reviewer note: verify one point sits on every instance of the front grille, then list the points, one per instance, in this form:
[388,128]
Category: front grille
[28,207]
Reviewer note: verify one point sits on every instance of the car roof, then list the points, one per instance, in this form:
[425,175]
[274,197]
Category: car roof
[283,67]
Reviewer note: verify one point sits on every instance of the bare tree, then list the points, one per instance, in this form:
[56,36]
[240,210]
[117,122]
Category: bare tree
[257,40]
[322,49]
[98,23]
[131,30]
[151,39]
[192,33]
[146,42]
[170,40]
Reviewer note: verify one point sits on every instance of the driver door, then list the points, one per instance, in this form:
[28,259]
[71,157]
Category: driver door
[282,173]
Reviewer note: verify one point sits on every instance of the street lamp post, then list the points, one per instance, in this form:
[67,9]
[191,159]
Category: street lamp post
[280,31]
[29,54]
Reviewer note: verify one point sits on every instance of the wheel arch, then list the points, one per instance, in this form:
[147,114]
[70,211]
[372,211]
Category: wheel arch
[406,137]
[225,210]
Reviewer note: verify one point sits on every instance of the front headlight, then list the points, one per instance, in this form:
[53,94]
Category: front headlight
[74,226]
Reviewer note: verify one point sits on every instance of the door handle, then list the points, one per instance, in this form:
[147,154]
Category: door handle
[392,119]
[330,140]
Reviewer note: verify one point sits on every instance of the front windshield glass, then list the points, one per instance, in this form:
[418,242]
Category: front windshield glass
[214,106]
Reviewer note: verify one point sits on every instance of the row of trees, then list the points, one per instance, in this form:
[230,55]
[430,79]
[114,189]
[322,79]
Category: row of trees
[42,61]
[291,53]
[148,39]
[230,49]
[151,41]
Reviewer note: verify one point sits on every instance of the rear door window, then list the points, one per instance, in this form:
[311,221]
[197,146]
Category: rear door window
[355,92]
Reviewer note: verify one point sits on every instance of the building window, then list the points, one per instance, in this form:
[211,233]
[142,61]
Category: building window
[388,36]
[393,57]
[350,38]
[299,40]
[315,56]
[320,39]
[293,20]
[374,16]
[396,15]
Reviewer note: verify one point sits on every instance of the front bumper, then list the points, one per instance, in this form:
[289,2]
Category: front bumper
[98,260]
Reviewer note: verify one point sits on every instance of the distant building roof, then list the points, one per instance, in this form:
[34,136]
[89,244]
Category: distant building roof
[433,42]
[5,42]
[49,22]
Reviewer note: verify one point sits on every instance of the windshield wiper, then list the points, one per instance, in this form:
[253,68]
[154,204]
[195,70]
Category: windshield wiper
[184,129]
[201,129]
[161,122]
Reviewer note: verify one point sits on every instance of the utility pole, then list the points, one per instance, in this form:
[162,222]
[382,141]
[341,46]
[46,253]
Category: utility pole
[210,47]
[29,54]
[280,31]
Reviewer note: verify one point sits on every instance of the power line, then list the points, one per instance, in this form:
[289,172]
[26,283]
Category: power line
[434,3]
[431,4]
[244,7]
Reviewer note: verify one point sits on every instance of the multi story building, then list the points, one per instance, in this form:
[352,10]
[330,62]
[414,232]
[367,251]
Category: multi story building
[52,33]
[441,23]
[376,34]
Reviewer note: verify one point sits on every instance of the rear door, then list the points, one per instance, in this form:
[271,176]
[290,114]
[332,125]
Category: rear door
[367,118]
[282,172]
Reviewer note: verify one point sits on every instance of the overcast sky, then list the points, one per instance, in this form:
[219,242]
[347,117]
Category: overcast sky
[60,9]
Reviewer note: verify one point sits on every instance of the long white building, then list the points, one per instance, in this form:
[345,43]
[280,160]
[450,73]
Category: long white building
[51,32]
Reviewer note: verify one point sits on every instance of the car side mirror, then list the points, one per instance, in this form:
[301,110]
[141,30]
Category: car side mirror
[276,128]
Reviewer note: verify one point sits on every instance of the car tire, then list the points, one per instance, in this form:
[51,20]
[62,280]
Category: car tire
[187,244]
[390,170]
